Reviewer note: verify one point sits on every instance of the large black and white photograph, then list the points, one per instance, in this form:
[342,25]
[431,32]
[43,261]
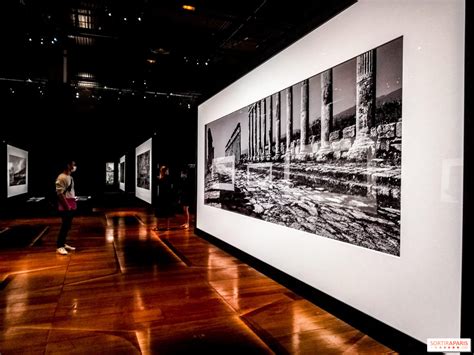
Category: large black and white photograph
[109,173]
[143,170]
[122,172]
[322,156]
[17,170]
[143,161]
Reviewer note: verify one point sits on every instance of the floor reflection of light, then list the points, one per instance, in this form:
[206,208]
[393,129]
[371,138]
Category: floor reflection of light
[144,341]
[75,305]
[12,299]
[142,233]
[138,300]
[303,320]
[121,234]
[109,235]
[236,292]
[307,318]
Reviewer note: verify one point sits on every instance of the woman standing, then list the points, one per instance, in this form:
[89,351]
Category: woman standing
[164,208]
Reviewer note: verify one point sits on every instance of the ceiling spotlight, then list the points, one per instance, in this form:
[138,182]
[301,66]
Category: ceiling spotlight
[189,105]
[151,61]
[110,14]
[55,39]
[139,19]
[30,39]
[160,50]
[207,63]
[189,8]
[125,19]
[144,96]
[77,95]
[52,42]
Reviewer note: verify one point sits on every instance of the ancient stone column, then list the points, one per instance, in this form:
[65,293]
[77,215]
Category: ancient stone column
[326,115]
[363,147]
[251,134]
[270,129]
[289,120]
[278,126]
[255,132]
[264,129]
[250,130]
[259,128]
[304,133]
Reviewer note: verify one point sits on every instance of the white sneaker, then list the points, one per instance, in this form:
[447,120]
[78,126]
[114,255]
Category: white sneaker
[68,247]
[62,251]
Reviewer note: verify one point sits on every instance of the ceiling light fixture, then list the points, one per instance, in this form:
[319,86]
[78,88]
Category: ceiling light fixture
[189,8]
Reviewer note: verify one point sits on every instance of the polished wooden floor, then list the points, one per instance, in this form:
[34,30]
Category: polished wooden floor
[130,290]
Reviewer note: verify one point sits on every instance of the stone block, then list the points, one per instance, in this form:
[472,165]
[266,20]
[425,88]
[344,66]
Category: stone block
[382,144]
[349,132]
[373,132]
[334,136]
[396,193]
[336,146]
[386,130]
[345,144]
[396,146]
[315,147]
[399,129]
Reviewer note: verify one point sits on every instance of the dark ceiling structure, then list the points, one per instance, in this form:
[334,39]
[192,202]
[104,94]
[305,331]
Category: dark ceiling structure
[189,48]
[77,66]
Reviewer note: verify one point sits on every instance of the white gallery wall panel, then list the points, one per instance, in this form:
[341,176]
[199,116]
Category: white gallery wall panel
[17,171]
[143,178]
[122,173]
[415,287]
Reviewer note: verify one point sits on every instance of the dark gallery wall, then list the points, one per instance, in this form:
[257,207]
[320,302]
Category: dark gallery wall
[56,125]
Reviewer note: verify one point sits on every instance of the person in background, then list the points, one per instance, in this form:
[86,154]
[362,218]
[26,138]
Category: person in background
[184,192]
[66,205]
[164,208]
